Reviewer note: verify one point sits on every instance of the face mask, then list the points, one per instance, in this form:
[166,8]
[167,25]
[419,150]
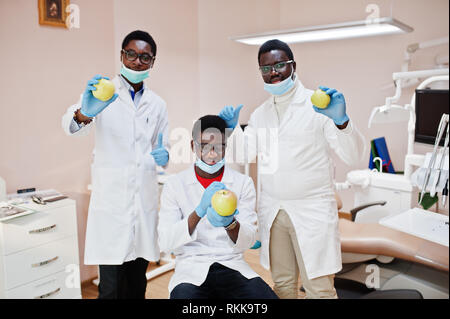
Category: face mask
[280,88]
[210,169]
[134,76]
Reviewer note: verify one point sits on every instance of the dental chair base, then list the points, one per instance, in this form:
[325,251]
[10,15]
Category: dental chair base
[400,274]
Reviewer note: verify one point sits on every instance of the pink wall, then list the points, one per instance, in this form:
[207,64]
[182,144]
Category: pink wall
[198,70]
[44,71]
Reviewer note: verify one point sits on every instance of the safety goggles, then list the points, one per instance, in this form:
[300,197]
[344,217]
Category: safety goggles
[278,67]
[207,147]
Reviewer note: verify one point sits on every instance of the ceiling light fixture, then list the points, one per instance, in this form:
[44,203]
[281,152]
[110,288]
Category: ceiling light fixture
[337,31]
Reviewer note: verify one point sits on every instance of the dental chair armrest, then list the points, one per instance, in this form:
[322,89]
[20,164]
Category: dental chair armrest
[376,239]
[355,210]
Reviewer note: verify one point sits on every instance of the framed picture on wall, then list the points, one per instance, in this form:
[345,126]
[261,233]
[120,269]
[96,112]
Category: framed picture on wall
[53,12]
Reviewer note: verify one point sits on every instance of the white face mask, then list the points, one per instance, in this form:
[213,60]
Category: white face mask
[210,169]
[280,88]
[134,76]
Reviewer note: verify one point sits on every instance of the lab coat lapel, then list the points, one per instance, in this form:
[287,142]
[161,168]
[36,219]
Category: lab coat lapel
[228,177]
[298,100]
[124,95]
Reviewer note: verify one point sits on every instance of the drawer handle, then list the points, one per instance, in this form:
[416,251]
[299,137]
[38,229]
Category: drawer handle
[48,294]
[41,230]
[42,263]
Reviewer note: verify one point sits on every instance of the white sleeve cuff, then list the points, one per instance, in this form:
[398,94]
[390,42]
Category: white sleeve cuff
[246,237]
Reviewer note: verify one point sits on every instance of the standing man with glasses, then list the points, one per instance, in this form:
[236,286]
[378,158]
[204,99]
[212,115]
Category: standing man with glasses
[131,131]
[297,210]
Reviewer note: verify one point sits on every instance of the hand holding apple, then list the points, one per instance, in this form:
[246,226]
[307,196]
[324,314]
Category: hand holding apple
[336,109]
[320,99]
[224,202]
[217,220]
[105,90]
[90,105]
[205,202]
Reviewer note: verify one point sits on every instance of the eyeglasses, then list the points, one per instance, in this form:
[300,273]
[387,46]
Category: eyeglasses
[206,147]
[278,67]
[131,55]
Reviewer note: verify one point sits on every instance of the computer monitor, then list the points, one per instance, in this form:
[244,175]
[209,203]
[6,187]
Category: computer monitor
[430,105]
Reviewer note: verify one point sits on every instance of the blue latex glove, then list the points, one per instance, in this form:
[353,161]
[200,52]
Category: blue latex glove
[257,245]
[217,220]
[160,154]
[91,106]
[230,115]
[205,202]
[336,110]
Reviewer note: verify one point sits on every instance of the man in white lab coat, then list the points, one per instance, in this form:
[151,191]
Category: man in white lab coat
[131,132]
[292,139]
[208,247]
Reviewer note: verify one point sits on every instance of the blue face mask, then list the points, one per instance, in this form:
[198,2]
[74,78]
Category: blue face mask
[210,169]
[134,76]
[280,88]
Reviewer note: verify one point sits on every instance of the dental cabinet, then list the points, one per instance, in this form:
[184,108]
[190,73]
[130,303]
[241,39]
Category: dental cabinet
[39,252]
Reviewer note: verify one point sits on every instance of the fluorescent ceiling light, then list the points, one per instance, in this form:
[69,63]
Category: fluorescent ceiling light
[329,32]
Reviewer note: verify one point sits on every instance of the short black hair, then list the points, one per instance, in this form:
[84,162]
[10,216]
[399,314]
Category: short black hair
[209,121]
[275,44]
[140,35]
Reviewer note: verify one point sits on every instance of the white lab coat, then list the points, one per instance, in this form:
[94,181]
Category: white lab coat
[123,209]
[296,175]
[208,244]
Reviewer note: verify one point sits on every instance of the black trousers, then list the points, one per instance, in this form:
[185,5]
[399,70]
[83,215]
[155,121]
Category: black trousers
[126,281]
[224,283]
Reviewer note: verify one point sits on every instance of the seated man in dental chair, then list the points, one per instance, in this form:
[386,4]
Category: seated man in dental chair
[209,247]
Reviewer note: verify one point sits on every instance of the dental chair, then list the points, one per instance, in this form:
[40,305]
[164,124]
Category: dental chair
[397,264]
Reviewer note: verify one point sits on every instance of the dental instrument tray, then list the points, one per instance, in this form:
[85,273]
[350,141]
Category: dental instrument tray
[420,223]
[8,211]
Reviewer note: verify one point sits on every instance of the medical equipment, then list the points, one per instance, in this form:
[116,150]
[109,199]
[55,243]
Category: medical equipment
[430,105]
[390,112]
[410,261]
[445,194]
[38,200]
[8,211]
[440,60]
[442,125]
[441,164]
[387,234]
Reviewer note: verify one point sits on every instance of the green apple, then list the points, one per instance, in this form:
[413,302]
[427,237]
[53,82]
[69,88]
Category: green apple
[320,99]
[224,202]
[105,90]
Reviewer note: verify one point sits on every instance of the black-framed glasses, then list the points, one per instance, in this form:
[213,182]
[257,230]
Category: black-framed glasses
[131,55]
[278,67]
[207,147]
